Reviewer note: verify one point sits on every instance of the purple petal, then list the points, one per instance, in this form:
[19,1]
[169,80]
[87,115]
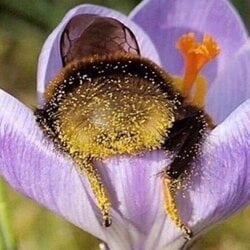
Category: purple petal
[137,195]
[32,166]
[165,21]
[221,179]
[50,59]
[231,87]
[222,186]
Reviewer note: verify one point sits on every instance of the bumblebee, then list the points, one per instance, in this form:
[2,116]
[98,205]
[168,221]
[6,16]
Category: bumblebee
[108,100]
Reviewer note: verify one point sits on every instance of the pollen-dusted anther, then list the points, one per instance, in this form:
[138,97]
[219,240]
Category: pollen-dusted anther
[195,55]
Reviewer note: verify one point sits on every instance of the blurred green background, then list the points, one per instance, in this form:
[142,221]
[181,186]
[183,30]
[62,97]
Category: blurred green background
[24,25]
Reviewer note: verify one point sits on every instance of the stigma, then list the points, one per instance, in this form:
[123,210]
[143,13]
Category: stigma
[196,55]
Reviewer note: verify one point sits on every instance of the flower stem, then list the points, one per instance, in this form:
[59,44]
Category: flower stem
[7,241]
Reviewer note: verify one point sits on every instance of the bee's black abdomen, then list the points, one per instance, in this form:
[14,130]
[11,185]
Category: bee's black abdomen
[185,140]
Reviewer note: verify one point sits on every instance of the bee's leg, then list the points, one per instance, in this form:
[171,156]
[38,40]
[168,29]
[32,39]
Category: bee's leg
[86,167]
[184,140]
[169,190]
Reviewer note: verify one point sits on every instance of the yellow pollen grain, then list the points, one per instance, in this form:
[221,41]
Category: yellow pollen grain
[196,56]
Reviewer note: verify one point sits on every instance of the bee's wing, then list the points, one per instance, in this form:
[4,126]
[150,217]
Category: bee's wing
[88,34]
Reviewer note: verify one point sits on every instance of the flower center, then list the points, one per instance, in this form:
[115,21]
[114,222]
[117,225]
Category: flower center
[196,56]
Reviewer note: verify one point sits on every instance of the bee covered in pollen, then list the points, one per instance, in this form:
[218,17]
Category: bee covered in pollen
[108,100]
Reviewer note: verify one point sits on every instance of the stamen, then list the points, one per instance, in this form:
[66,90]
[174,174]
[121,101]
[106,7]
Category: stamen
[195,55]
[198,94]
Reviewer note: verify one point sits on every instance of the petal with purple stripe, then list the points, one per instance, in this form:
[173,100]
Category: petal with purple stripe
[33,167]
[222,186]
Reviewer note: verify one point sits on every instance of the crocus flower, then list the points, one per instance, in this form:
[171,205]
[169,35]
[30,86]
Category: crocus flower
[220,185]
